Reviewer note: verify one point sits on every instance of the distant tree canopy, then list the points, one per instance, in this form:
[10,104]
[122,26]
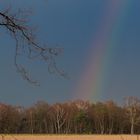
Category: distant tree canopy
[75,117]
[17,26]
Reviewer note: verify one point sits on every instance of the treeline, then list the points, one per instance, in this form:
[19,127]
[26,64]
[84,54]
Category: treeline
[75,117]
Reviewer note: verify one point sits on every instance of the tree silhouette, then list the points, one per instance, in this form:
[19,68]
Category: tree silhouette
[26,43]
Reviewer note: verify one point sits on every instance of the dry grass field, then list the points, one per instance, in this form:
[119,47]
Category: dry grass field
[69,137]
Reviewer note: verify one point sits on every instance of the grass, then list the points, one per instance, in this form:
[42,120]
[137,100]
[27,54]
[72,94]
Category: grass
[68,137]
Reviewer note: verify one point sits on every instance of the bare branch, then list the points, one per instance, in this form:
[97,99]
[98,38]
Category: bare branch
[26,43]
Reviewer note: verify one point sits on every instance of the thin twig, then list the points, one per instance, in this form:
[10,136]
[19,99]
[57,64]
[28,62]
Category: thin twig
[22,34]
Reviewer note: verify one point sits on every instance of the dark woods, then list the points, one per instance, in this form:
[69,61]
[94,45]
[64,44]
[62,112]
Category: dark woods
[77,117]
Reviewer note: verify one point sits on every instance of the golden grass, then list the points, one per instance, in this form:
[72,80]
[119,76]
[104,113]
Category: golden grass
[69,137]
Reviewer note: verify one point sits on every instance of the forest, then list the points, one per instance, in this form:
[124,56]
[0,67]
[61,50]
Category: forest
[72,117]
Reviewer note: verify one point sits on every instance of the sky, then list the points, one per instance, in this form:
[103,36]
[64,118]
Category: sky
[101,41]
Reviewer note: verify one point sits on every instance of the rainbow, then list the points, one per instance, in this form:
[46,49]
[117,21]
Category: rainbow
[92,82]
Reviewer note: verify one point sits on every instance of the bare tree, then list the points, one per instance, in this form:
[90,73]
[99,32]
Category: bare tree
[100,117]
[26,43]
[112,115]
[60,116]
[132,105]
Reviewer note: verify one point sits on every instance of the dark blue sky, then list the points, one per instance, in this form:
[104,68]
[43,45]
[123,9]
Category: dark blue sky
[72,24]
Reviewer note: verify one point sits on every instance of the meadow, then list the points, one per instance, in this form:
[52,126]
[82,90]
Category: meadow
[69,137]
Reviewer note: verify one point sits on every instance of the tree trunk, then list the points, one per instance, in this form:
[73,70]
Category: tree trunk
[132,126]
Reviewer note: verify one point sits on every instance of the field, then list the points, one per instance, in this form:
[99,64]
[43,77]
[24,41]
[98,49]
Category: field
[69,137]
